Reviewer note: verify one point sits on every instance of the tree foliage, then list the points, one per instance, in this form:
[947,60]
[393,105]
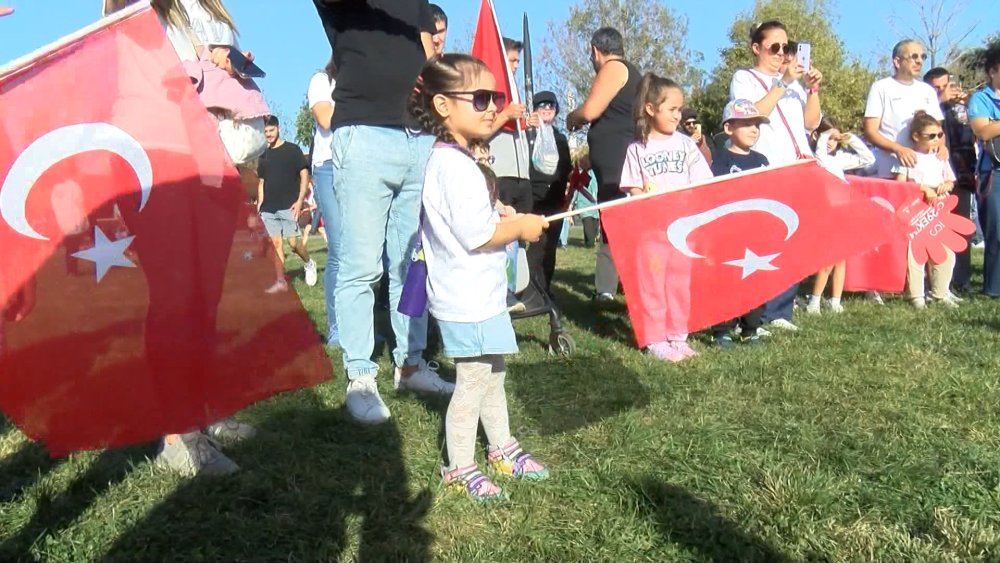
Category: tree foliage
[304,126]
[845,82]
[655,41]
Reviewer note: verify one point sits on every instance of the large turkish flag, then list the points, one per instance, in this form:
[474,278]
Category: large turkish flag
[132,286]
[882,268]
[699,256]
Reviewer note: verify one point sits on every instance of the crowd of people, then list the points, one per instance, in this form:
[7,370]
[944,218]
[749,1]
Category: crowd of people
[415,149]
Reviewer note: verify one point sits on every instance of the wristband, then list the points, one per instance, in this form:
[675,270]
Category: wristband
[814,89]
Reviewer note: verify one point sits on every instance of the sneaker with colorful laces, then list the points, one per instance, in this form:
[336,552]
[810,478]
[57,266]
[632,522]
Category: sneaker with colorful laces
[514,462]
[471,481]
[684,348]
[665,351]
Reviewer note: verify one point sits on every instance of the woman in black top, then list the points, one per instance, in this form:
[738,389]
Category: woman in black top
[608,109]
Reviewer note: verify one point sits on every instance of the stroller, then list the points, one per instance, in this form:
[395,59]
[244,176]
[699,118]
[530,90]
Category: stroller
[536,301]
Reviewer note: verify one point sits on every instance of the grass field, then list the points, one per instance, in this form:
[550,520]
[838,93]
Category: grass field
[873,435]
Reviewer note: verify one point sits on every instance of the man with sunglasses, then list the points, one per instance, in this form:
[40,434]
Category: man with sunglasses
[692,128]
[891,104]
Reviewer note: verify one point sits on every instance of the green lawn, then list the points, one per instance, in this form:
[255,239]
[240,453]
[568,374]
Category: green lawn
[869,436]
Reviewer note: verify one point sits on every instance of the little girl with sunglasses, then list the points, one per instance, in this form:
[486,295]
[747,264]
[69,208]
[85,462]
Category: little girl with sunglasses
[463,239]
[936,179]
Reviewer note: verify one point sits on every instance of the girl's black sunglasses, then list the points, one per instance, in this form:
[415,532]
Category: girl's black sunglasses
[480,98]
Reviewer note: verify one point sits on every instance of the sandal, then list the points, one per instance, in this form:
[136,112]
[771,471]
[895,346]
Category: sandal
[473,483]
[512,461]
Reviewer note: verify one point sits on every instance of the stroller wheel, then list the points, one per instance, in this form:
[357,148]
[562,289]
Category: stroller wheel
[562,344]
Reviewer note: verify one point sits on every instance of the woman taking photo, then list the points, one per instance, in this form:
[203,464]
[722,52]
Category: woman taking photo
[788,95]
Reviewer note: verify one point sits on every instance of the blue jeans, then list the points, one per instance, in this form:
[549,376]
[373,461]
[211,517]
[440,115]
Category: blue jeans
[989,218]
[328,208]
[781,307]
[378,176]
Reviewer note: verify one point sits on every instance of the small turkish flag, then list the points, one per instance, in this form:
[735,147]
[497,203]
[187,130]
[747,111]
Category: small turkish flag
[487,46]
[132,287]
[696,257]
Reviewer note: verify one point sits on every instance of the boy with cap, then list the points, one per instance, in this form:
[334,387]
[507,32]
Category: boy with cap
[741,123]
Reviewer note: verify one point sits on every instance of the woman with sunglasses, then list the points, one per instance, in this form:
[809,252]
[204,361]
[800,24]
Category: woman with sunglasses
[892,103]
[793,110]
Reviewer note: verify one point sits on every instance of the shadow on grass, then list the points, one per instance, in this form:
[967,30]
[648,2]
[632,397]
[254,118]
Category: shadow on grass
[54,513]
[605,321]
[312,482]
[695,523]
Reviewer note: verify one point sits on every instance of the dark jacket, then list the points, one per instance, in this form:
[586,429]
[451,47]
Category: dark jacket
[549,190]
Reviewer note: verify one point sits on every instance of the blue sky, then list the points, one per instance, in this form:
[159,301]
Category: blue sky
[288,41]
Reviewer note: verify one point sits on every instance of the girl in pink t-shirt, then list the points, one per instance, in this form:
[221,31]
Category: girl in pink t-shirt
[662,159]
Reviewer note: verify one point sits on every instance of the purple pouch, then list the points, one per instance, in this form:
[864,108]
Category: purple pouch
[413,298]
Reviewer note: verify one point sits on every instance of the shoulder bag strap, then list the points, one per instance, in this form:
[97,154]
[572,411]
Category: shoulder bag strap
[781,114]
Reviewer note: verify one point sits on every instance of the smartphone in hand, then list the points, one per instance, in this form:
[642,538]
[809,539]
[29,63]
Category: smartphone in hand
[804,56]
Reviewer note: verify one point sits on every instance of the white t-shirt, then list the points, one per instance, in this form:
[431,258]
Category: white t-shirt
[930,171]
[463,285]
[894,103]
[775,140]
[321,90]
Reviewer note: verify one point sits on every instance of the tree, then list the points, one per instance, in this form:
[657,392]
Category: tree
[938,28]
[967,66]
[304,125]
[845,83]
[655,41]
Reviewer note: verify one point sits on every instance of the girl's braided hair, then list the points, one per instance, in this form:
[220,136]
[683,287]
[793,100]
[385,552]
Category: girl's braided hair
[444,73]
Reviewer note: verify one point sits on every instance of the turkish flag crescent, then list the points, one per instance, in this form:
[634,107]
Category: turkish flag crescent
[487,46]
[131,285]
[882,268]
[696,257]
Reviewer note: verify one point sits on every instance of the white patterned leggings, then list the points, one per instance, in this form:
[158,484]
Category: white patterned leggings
[479,397]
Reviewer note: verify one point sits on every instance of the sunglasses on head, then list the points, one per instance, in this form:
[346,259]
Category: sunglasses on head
[779,48]
[480,98]
[929,136]
[916,57]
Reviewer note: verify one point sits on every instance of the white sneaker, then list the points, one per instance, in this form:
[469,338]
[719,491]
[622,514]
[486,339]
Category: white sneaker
[782,324]
[951,295]
[836,307]
[875,297]
[948,302]
[279,286]
[813,308]
[310,269]
[425,379]
[918,303]
[763,332]
[364,403]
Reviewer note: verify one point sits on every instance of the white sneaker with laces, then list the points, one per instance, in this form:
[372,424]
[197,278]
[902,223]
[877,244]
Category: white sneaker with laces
[763,332]
[783,324]
[425,379]
[364,403]
[948,302]
[310,270]
[836,307]
[813,308]
[951,295]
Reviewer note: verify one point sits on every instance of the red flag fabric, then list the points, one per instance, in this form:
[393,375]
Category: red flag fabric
[882,268]
[487,46]
[693,258]
[131,281]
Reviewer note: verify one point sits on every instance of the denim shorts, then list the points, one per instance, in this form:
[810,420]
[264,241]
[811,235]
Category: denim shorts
[483,338]
[281,224]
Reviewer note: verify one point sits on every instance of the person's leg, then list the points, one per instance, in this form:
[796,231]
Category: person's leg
[962,276]
[330,211]
[504,452]
[279,248]
[590,231]
[941,277]
[914,279]
[780,308]
[551,245]
[819,286]
[367,163]
[461,424]
[989,218]
[606,275]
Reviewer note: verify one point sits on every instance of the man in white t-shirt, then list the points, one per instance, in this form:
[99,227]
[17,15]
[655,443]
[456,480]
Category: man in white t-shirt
[891,104]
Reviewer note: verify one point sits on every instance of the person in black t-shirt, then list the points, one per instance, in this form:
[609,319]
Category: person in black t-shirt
[741,122]
[379,158]
[284,179]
